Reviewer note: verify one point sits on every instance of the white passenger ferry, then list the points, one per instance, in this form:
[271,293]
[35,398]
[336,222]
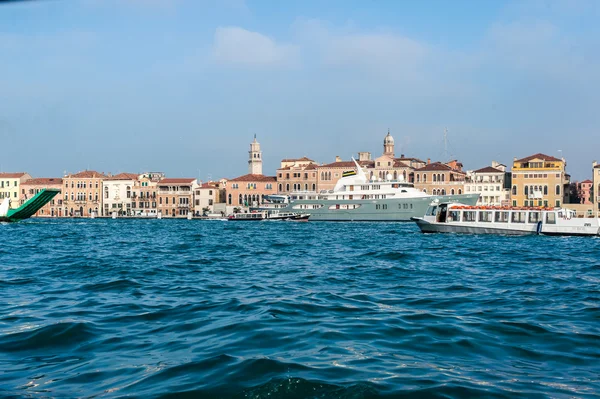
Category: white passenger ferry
[445,217]
[357,198]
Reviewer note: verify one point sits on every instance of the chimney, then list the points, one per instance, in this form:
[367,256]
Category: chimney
[428,161]
[338,159]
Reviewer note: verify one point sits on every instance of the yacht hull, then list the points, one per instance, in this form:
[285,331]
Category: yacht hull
[377,210]
[427,227]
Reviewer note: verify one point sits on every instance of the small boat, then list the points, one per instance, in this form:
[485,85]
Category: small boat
[29,208]
[265,215]
[448,217]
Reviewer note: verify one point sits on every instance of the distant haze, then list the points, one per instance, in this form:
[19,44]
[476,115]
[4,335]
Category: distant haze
[182,86]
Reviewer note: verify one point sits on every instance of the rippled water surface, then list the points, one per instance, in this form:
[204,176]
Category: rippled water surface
[159,308]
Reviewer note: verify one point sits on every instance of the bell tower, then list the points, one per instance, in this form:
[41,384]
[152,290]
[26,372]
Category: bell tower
[255,160]
[388,145]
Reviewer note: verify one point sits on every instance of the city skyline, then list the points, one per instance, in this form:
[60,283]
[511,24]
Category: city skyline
[181,87]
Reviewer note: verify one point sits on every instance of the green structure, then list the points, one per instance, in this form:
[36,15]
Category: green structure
[29,208]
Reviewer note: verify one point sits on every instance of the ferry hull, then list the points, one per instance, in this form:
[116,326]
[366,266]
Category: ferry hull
[395,210]
[427,227]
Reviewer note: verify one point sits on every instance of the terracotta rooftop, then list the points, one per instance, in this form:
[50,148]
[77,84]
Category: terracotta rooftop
[488,169]
[176,181]
[539,156]
[400,164]
[15,175]
[210,184]
[409,159]
[255,178]
[297,159]
[123,176]
[87,174]
[435,166]
[42,181]
[311,166]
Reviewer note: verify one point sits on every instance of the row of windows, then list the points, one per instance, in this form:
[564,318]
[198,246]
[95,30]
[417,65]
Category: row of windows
[533,189]
[297,175]
[80,184]
[7,184]
[81,196]
[296,187]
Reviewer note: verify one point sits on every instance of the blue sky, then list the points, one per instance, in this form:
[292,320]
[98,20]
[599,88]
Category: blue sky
[182,86]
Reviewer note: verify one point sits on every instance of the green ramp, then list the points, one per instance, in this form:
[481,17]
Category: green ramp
[33,205]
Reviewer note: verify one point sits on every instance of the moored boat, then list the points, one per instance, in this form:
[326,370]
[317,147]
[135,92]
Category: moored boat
[448,217]
[266,215]
[355,197]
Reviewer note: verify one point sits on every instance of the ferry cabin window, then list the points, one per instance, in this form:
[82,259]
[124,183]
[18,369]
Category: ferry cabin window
[431,211]
[519,217]
[501,217]
[454,216]
[469,216]
[485,216]
[550,218]
[534,217]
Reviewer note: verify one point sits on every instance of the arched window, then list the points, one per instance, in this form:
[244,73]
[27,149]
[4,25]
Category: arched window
[395,175]
[452,191]
[557,189]
[287,187]
[443,177]
[322,176]
[329,176]
[443,191]
[459,191]
[280,187]
[434,177]
[514,190]
[128,192]
[305,186]
[314,187]
[229,199]
[418,178]
[425,178]
[241,200]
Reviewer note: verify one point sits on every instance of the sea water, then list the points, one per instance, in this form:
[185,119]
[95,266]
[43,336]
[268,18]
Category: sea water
[169,308]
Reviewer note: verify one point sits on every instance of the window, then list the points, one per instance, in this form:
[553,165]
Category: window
[469,216]
[454,216]
[501,216]
[514,191]
[534,217]
[557,189]
[485,216]
[519,217]
[550,218]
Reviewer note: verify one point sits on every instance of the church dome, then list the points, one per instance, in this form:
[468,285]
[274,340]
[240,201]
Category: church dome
[388,139]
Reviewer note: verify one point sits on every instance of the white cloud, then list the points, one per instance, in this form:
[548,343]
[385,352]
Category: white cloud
[237,46]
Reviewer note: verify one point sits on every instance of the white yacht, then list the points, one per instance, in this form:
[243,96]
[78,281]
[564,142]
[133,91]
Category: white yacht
[356,198]
[447,217]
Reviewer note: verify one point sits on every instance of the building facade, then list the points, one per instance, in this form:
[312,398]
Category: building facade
[596,186]
[144,200]
[584,191]
[492,183]
[438,178]
[10,187]
[539,180]
[118,194]
[176,197]
[206,196]
[31,187]
[297,175]
[82,194]
[250,190]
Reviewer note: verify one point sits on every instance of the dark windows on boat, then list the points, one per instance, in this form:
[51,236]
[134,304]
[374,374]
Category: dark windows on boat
[469,216]
[550,218]
[454,216]
[501,217]
[485,216]
[519,216]
[534,217]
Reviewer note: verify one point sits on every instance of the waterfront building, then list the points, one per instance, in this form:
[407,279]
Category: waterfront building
[438,178]
[82,194]
[118,194]
[329,174]
[33,186]
[250,190]
[144,197]
[539,180]
[176,196]
[206,196]
[584,191]
[492,183]
[10,187]
[596,185]
[297,175]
